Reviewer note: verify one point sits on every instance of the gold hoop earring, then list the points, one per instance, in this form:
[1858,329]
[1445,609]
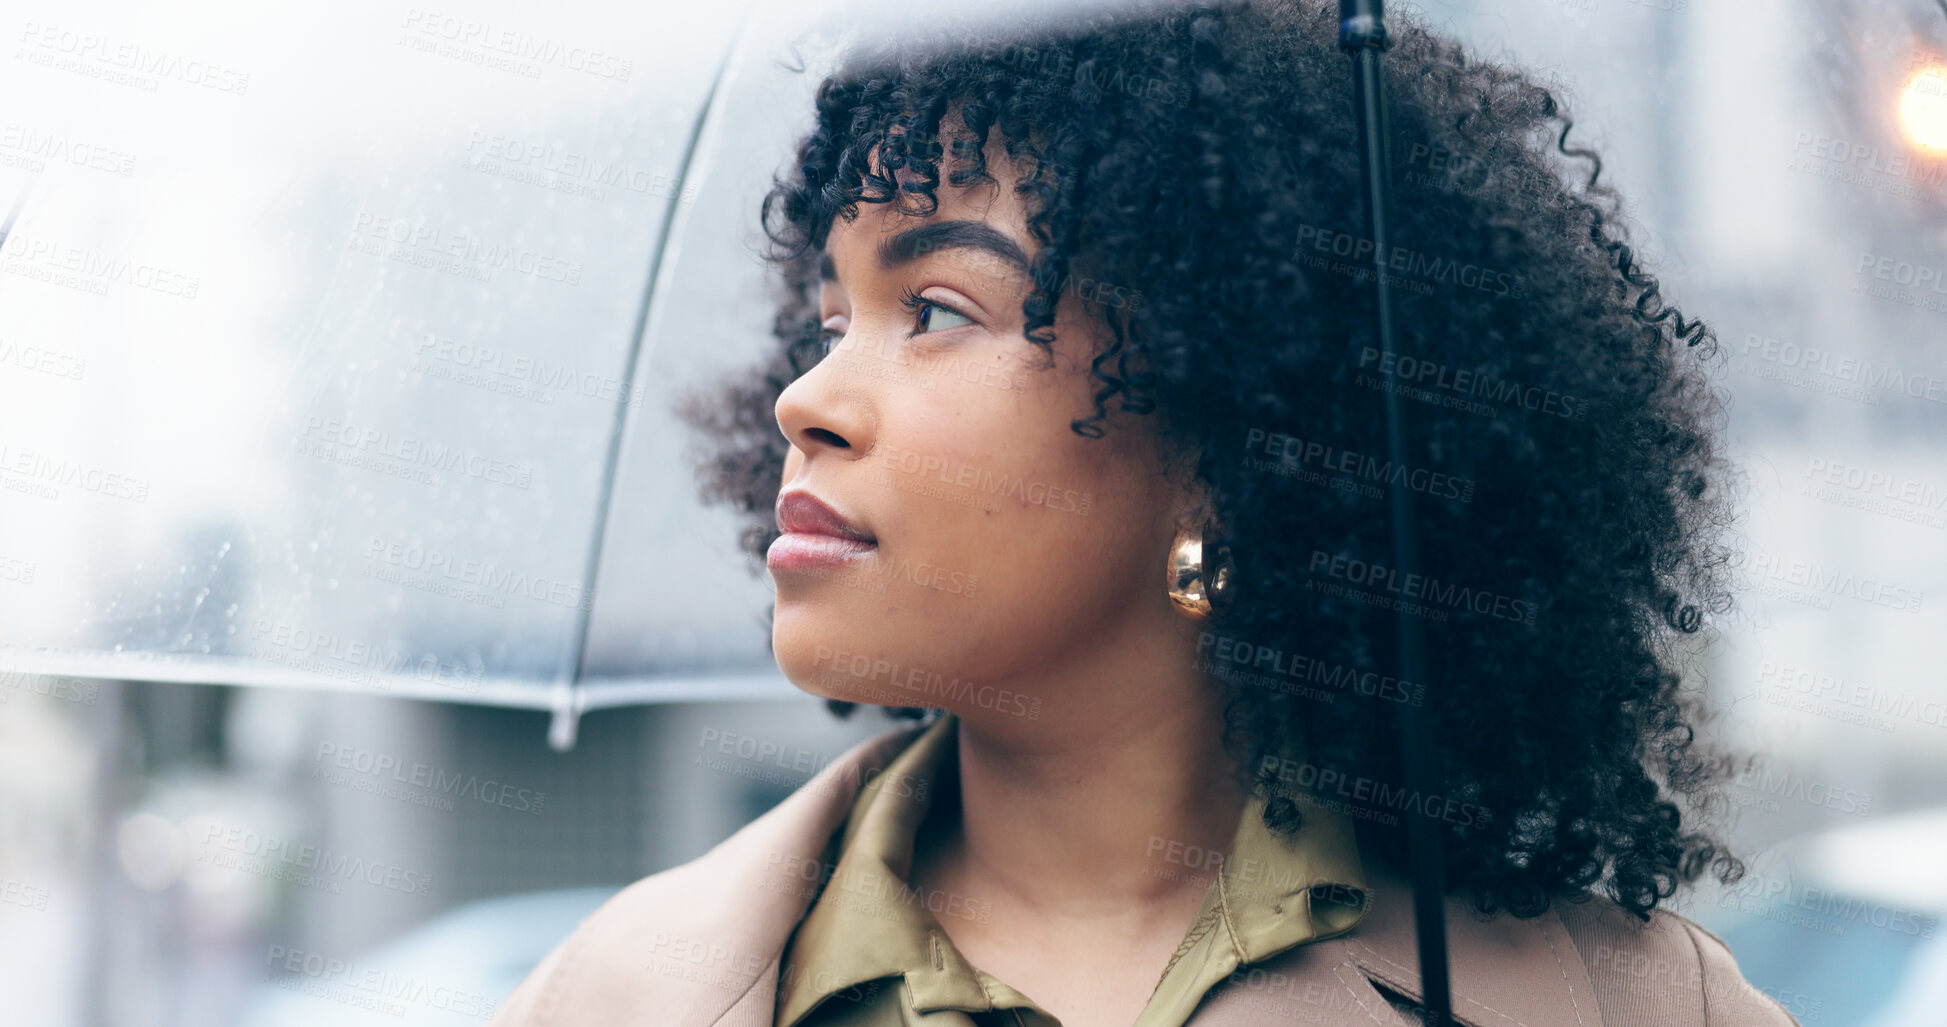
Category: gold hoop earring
[1192,586]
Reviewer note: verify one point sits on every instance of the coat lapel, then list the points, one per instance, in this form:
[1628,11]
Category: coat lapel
[1505,972]
[699,945]
[780,857]
[1315,983]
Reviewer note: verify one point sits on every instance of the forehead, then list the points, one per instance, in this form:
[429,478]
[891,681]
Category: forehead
[985,221]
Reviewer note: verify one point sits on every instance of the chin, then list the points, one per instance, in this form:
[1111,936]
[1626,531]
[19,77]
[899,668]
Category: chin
[819,655]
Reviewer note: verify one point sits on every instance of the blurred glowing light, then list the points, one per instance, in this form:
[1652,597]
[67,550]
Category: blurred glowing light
[1923,109]
[151,849]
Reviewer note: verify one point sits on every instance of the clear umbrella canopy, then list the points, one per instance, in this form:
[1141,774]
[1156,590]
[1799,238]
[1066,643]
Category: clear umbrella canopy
[360,377]
[338,349]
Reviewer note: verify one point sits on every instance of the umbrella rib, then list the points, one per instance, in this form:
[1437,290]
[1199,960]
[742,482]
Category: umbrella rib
[566,704]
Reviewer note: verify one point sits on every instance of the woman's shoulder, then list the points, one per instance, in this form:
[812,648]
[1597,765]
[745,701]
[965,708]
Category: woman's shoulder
[695,942]
[1664,970]
[1582,960]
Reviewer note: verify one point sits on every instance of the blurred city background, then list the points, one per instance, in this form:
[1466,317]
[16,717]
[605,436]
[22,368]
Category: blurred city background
[360,630]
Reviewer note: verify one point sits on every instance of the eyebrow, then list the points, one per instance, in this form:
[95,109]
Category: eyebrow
[908,245]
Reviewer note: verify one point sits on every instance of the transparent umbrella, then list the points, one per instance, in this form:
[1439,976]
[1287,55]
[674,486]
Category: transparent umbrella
[366,384]
[337,350]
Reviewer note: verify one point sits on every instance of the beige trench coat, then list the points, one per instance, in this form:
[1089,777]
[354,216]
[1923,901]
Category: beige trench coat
[699,945]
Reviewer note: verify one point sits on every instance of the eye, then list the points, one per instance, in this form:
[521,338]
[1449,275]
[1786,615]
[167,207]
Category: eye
[827,341]
[826,338]
[924,311]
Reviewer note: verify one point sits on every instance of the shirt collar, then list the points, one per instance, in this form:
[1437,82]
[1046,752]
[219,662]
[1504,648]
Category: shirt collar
[867,924]
[1277,892]
[1270,894]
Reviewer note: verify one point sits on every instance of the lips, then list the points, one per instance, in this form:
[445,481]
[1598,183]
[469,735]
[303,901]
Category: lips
[801,513]
[814,535]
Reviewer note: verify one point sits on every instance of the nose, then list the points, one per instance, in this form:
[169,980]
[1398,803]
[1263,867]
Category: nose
[823,411]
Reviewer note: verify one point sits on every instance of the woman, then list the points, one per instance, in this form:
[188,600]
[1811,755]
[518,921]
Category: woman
[1074,436]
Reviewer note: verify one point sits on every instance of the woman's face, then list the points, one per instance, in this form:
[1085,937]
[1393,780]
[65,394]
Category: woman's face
[1005,547]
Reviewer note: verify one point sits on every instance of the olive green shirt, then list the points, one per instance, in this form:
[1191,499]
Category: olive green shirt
[871,952]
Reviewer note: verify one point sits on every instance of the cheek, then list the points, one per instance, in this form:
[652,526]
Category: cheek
[1007,535]
[1005,538]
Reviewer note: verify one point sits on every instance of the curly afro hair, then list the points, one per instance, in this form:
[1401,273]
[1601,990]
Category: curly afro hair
[1192,174]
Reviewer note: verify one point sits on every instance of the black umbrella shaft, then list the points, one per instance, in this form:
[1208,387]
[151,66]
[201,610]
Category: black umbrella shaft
[1362,34]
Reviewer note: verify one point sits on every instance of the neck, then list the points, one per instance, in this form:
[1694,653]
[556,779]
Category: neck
[1079,815]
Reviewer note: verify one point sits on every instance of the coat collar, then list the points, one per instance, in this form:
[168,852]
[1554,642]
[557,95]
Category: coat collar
[784,854]
[701,944]
[1504,972]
